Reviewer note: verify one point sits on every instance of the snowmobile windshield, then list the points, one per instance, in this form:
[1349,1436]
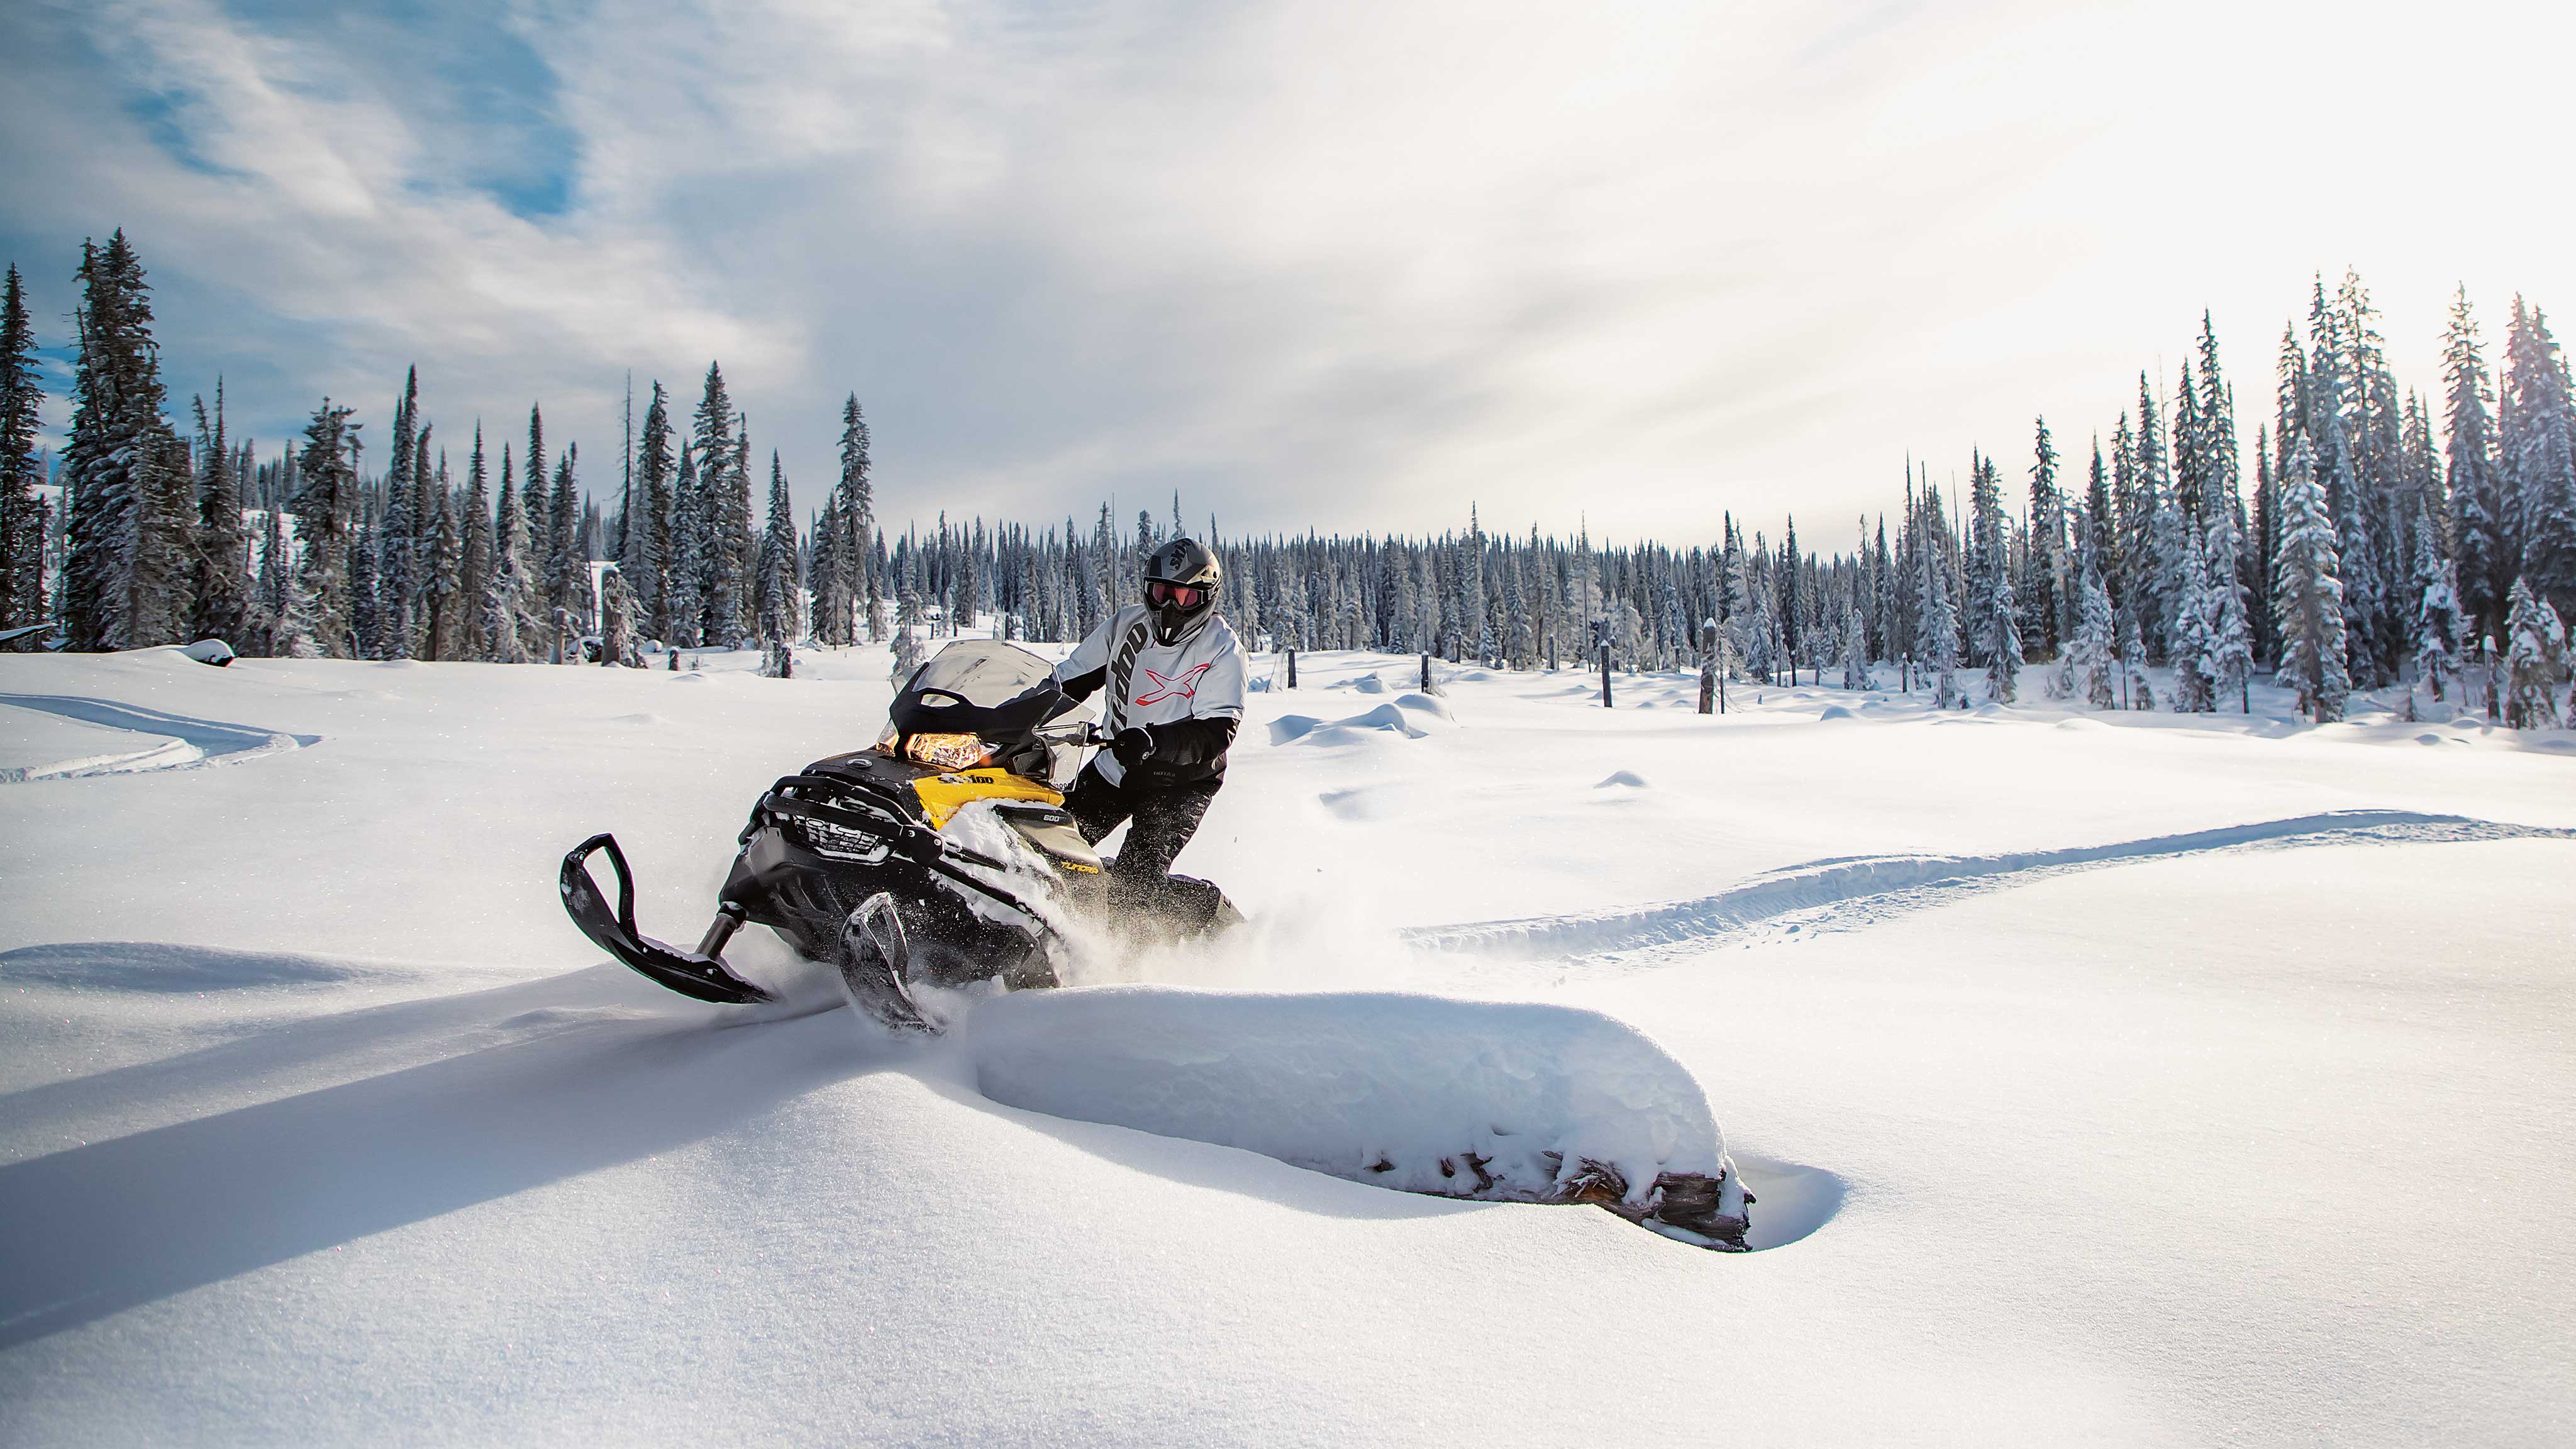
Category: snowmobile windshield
[981,672]
[979,687]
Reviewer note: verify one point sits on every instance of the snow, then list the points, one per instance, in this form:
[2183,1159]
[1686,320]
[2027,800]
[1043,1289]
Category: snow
[2122,1078]
[38,745]
[1395,1089]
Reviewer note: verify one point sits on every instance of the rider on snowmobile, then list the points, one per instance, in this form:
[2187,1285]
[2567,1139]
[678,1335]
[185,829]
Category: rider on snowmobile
[1175,676]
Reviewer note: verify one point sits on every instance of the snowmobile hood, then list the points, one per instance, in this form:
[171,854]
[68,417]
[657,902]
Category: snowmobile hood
[942,796]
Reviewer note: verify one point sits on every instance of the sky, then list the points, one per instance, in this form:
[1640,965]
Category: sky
[1343,266]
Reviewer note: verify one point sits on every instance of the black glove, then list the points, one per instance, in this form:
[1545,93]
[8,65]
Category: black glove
[1134,746]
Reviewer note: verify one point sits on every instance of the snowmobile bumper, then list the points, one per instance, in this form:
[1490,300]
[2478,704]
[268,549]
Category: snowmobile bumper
[700,974]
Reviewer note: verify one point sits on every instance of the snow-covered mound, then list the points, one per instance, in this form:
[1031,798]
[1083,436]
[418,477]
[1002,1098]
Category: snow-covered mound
[1422,1093]
[1387,718]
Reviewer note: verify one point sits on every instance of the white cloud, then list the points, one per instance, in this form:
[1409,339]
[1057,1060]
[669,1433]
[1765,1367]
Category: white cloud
[1354,265]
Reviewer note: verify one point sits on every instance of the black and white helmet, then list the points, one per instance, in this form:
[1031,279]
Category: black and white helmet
[1181,580]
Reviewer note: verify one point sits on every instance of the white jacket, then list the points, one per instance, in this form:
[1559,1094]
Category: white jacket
[1199,678]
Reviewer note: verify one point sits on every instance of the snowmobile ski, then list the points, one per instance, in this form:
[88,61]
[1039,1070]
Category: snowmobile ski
[701,973]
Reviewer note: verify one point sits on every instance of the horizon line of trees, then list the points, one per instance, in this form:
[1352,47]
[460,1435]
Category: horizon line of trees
[2372,545]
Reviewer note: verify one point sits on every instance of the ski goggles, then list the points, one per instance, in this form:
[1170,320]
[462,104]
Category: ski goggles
[1173,596]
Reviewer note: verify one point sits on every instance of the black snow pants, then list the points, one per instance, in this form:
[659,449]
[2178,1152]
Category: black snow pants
[1164,817]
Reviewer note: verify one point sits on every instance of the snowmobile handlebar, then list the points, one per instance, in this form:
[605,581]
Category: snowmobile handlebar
[1080,733]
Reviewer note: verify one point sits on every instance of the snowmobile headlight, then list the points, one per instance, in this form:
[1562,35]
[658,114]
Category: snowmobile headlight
[842,843]
[949,752]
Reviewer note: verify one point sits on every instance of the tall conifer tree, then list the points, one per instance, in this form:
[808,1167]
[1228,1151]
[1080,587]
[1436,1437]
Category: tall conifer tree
[2307,592]
[648,526]
[129,489]
[474,556]
[326,513]
[23,514]
[223,545]
[2539,457]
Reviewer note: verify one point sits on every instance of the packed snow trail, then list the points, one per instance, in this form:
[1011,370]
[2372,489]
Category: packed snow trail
[1849,894]
[206,741]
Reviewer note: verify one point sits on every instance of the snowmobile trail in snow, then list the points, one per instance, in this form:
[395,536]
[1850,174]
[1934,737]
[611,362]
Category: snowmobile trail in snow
[203,741]
[1848,894]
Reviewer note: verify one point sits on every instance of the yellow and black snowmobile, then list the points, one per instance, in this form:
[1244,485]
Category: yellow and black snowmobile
[943,856]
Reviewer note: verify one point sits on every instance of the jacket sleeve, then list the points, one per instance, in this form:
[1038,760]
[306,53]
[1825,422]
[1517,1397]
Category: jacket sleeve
[1080,686]
[1188,743]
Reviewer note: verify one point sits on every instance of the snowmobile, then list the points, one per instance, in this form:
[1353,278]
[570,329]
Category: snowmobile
[876,863]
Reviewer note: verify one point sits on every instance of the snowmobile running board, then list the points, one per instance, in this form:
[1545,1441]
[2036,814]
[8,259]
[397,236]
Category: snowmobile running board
[701,974]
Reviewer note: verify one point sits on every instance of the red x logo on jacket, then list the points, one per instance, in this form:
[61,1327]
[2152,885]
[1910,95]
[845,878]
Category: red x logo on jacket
[1187,686]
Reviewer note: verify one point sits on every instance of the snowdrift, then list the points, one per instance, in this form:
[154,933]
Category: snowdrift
[1503,1101]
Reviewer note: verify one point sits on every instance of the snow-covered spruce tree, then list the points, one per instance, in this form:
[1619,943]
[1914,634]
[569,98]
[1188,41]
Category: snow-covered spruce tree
[1855,649]
[684,581]
[474,557]
[23,515]
[2003,639]
[726,510]
[2262,545]
[294,623]
[130,516]
[2375,424]
[2093,648]
[222,587]
[512,599]
[1936,647]
[22,521]
[366,585]
[2535,660]
[397,590]
[1984,556]
[2346,504]
[907,633]
[774,590]
[827,575]
[2307,592]
[2226,639]
[2187,642]
[617,620]
[268,594]
[2177,580]
[2538,447]
[2441,625]
[326,510]
[2482,552]
[161,573]
[857,497]
[2047,603]
[1786,617]
[2133,662]
[2157,530]
[448,607]
[648,524]
[567,583]
[2227,627]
